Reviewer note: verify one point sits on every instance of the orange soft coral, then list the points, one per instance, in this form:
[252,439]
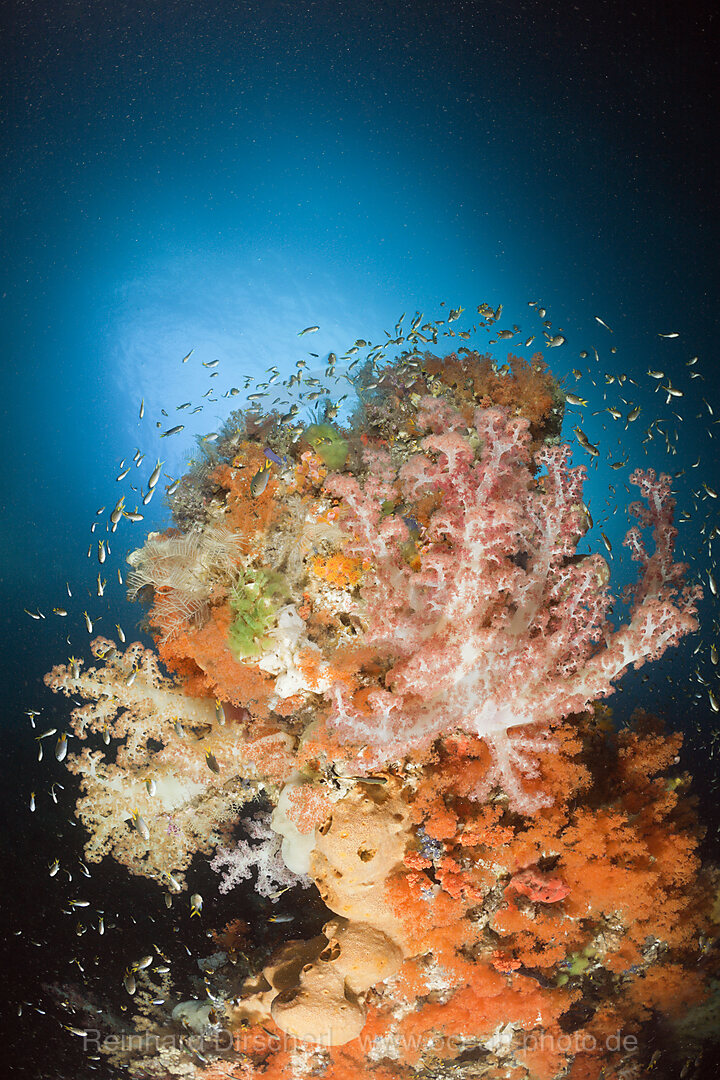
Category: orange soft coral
[226,677]
[338,570]
[246,514]
[527,388]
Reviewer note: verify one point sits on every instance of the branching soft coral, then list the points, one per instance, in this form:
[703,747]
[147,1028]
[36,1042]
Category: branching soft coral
[237,863]
[178,778]
[525,388]
[502,625]
[217,671]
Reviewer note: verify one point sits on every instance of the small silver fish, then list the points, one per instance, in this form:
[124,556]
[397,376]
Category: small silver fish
[196,904]
[140,825]
[211,762]
[174,884]
[260,480]
[671,391]
[155,475]
[61,748]
[308,330]
[173,430]
[585,442]
[187,357]
[672,335]
[602,323]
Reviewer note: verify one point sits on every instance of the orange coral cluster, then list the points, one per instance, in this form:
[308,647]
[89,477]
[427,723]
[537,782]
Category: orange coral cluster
[249,515]
[622,879]
[526,388]
[309,473]
[338,570]
[202,656]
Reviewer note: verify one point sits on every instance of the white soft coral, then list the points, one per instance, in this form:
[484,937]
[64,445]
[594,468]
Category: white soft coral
[289,639]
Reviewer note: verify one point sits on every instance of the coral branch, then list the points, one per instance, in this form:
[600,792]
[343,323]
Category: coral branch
[502,624]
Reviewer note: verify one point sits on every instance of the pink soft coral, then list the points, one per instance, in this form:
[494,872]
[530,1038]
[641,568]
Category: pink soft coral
[502,625]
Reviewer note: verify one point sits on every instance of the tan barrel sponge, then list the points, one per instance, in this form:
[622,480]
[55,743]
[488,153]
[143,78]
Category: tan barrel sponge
[316,990]
[357,849]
